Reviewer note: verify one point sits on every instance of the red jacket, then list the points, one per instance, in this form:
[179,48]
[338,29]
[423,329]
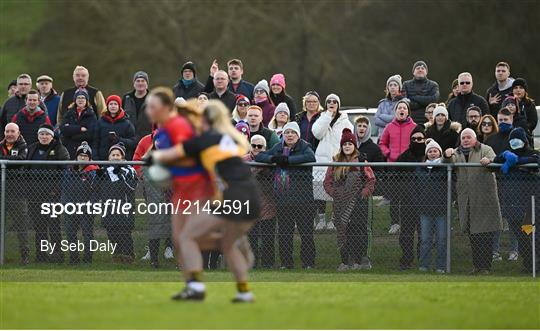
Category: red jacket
[145,144]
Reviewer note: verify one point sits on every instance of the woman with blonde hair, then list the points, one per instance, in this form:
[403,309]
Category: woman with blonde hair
[231,211]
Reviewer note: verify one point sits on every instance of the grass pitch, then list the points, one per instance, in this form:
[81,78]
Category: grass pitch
[293,300]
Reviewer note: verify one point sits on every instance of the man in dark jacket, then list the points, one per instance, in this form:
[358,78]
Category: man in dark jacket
[48,96]
[13,147]
[502,88]
[188,85]
[294,192]
[43,186]
[369,151]
[499,141]
[457,108]
[17,102]
[81,75]
[236,85]
[420,91]
[254,118]
[31,117]
[134,105]
[221,92]
[79,124]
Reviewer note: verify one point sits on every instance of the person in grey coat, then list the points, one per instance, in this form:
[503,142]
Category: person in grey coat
[478,201]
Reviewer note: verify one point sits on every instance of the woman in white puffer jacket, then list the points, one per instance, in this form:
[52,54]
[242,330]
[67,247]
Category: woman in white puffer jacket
[328,129]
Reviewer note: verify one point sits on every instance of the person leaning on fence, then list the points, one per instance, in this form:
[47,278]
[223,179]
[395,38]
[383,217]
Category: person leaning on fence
[404,204]
[385,109]
[432,194]
[118,182]
[443,131]
[294,195]
[516,187]
[488,126]
[43,186]
[281,117]
[279,95]
[264,230]
[79,186]
[327,129]
[478,202]
[114,127]
[159,226]
[78,124]
[13,147]
[350,188]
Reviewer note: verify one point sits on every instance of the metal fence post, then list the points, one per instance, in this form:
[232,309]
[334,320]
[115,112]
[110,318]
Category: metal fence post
[533,239]
[448,216]
[2,213]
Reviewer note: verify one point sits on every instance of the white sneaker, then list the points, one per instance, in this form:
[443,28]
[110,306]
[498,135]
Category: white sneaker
[513,256]
[244,297]
[496,256]
[394,229]
[321,225]
[330,226]
[146,257]
[168,253]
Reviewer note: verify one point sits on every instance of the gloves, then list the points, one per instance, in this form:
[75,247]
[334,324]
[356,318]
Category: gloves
[280,160]
[113,138]
[148,159]
[510,161]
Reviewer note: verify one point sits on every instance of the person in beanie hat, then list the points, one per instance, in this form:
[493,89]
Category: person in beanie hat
[281,117]
[243,128]
[118,182]
[188,85]
[294,189]
[114,127]
[279,95]
[350,189]
[261,97]
[431,184]
[385,108]
[240,110]
[48,177]
[78,124]
[443,131]
[526,106]
[80,186]
[420,91]
[134,104]
[516,188]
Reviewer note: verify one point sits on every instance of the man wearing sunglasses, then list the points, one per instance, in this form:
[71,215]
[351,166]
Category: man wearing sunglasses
[457,108]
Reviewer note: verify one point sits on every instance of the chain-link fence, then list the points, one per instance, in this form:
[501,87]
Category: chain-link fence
[382,217]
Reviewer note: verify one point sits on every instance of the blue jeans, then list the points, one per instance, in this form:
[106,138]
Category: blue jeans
[511,235]
[428,226]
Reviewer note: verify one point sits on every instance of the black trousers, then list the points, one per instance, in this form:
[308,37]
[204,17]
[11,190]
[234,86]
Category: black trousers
[72,223]
[302,216]
[48,229]
[211,259]
[261,239]
[356,235]
[481,244]
[153,247]
[525,244]
[121,235]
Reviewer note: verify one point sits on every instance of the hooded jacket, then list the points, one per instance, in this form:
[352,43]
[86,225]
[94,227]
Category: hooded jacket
[369,151]
[29,123]
[447,137]
[124,131]
[71,125]
[395,138]
[385,112]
